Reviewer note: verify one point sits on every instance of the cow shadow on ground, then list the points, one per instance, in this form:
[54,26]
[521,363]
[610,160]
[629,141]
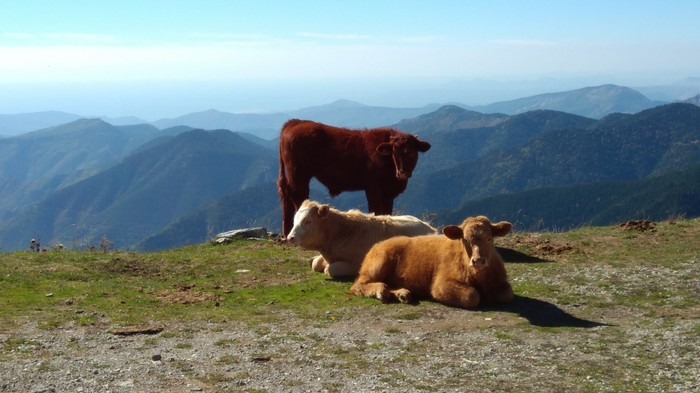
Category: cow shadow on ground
[513,256]
[543,314]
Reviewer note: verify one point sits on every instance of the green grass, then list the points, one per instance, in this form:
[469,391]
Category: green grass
[261,281]
[241,281]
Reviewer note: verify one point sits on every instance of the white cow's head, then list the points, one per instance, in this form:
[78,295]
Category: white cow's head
[308,229]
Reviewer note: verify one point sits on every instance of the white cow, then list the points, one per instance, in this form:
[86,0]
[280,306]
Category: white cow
[343,238]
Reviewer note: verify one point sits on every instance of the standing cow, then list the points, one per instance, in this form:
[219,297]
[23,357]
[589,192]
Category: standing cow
[379,161]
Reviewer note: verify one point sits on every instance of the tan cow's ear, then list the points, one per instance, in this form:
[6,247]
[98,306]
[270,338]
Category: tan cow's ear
[385,149]
[501,229]
[323,210]
[453,232]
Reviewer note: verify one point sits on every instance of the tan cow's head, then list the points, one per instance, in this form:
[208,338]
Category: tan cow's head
[404,149]
[476,234]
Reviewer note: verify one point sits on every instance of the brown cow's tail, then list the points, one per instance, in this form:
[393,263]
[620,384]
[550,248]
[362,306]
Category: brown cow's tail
[283,183]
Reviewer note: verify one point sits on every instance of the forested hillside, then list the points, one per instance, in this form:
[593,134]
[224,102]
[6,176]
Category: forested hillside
[652,142]
[146,191]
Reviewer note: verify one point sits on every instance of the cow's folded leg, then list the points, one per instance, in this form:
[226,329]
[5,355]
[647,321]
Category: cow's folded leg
[403,295]
[319,264]
[504,294]
[339,269]
[455,293]
[373,289]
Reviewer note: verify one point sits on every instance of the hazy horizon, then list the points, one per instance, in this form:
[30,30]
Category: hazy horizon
[161,59]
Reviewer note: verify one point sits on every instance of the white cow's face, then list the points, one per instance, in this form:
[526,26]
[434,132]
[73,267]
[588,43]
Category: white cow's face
[309,226]
[302,222]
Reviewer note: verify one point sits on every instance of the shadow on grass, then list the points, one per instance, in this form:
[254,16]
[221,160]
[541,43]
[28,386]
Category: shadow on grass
[512,256]
[544,314]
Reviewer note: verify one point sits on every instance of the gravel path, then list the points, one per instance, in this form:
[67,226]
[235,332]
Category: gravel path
[532,346]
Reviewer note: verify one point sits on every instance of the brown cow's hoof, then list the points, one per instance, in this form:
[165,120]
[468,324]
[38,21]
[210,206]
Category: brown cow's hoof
[403,295]
[385,296]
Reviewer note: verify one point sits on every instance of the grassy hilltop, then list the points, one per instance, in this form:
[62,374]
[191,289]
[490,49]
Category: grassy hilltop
[596,309]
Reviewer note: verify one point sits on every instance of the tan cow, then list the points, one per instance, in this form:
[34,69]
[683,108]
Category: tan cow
[459,269]
[343,238]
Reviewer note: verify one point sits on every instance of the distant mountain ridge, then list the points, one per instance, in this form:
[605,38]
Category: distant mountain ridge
[695,100]
[15,124]
[342,113]
[21,123]
[594,102]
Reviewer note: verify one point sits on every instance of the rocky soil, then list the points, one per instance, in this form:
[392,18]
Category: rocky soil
[532,346]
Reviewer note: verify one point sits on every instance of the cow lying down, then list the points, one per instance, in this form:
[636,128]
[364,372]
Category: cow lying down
[343,238]
[459,269]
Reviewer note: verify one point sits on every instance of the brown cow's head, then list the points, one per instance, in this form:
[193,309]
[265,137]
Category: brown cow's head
[477,235]
[403,149]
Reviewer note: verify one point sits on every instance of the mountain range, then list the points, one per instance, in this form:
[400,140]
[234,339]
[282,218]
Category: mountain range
[593,102]
[150,188]
[528,187]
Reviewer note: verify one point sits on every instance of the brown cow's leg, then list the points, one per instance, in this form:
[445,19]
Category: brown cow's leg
[387,207]
[504,294]
[372,289]
[378,204]
[455,293]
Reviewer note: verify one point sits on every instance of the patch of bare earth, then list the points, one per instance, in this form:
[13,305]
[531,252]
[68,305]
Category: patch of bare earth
[537,245]
[186,294]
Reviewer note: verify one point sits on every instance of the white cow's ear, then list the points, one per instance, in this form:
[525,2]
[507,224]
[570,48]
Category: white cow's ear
[385,149]
[501,229]
[453,232]
[323,210]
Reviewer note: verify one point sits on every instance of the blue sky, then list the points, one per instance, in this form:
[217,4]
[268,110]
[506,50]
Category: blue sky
[332,45]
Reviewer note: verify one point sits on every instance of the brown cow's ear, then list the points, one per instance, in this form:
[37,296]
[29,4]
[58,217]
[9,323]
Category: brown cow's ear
[423,146]
[501,229]
[385,149]
[453,232]
[323,210]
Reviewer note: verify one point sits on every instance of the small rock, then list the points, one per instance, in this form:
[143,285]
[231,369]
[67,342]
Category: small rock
[226,237]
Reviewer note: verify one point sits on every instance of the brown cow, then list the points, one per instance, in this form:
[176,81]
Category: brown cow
[378,161]
[343,238]
[459,269]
